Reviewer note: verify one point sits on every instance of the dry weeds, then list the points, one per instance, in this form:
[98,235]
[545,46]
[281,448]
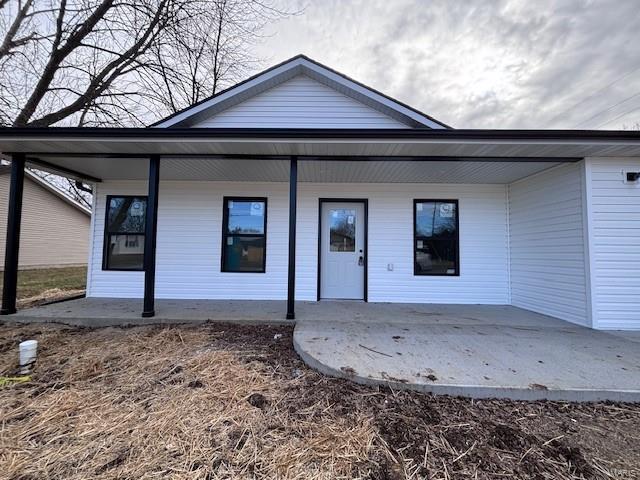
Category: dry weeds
[49,295]
[223,401]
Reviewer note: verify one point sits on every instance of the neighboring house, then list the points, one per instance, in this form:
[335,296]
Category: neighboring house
[388,204]
[55,228]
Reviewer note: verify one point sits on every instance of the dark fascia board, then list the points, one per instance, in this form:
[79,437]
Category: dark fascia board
[300,56]
[34,157]
[318,133]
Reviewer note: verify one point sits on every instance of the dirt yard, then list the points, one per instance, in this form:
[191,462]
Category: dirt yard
[223,401]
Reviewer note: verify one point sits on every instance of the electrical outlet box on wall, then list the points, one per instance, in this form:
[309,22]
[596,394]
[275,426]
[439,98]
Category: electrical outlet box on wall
[631,176]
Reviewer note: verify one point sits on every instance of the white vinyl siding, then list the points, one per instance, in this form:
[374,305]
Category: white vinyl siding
[615,243]
[189,236]
[483,242]
[301,103]
[547,244]
[188,252]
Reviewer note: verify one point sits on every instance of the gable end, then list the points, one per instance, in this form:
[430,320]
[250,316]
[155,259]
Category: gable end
[389,112]
[301,102]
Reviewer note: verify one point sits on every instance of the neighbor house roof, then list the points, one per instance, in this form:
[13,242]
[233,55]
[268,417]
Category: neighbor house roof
[6,169]
[300,65]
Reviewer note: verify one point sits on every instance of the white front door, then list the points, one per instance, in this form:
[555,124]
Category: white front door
[342,250]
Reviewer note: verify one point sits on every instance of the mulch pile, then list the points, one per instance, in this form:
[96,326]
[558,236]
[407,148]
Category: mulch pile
[229,401]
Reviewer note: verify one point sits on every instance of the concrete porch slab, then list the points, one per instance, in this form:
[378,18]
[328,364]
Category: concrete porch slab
[99,312]
[479,352]
[106,312]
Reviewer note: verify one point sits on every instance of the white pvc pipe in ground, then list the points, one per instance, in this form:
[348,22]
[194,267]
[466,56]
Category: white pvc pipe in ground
[28,353]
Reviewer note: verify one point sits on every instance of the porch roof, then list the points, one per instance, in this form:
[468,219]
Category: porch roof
[195,153]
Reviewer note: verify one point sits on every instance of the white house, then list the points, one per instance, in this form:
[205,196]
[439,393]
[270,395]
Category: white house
[388,204]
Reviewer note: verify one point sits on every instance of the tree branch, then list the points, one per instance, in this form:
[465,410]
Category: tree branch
[9,41]
[58,55]
[106,77]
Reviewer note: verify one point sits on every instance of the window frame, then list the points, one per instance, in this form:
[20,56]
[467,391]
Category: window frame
[415,237]
[225,234]
[107,234]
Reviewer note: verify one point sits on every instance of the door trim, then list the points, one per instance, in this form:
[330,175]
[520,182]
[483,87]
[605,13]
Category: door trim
[365,203]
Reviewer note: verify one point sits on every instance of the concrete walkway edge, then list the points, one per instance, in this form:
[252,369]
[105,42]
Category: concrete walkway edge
[475,391]
[102,322]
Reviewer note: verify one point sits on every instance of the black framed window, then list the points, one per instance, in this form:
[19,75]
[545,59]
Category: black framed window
[124,233]
[436,248]
[244,234]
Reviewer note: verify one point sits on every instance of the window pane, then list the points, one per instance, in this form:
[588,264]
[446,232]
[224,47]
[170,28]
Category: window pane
[245,217]
[342,231]
[436,219]
[436,256]
[127,214]
[436,238]
[125,252]
[244,254]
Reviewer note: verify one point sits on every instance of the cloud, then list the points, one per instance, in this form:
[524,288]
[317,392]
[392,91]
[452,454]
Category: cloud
[479,64]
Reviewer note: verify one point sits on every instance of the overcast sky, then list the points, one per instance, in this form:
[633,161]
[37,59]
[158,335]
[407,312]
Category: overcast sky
[480,64]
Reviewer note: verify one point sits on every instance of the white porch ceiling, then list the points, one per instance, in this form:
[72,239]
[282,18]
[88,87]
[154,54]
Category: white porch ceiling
[418,172]
[349,171]
[263,170]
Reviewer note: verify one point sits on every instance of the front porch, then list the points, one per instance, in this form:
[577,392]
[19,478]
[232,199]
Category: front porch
[519,228]
[468,350]
[104,312]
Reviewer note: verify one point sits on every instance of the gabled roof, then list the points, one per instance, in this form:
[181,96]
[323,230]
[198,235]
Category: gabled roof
[299,65]
[5,169]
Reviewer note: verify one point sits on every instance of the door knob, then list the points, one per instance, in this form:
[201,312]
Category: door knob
[360,260]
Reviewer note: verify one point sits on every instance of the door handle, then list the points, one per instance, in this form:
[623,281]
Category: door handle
[360,261]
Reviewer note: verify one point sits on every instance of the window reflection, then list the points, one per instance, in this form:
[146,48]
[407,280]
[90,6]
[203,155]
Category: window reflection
[436,237]
[342,230]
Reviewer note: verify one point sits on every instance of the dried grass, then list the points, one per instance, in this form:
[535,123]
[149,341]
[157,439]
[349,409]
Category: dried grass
[158,402]
[231,402]
[49,295]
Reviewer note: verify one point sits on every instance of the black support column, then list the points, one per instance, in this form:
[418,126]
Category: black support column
[14,217]
[150,237]
[293,198]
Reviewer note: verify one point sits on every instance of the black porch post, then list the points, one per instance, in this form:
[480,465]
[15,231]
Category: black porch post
[14,217]
[150,237]
[293,196]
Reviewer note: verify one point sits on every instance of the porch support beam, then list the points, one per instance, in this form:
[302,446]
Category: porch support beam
[293,199]
[151,225]
[63,171]
[315,158]
[14,217]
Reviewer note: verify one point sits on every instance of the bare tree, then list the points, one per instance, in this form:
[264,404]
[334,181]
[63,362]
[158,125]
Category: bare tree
[207,52]
[76,190]
[121,62]
[115,62]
